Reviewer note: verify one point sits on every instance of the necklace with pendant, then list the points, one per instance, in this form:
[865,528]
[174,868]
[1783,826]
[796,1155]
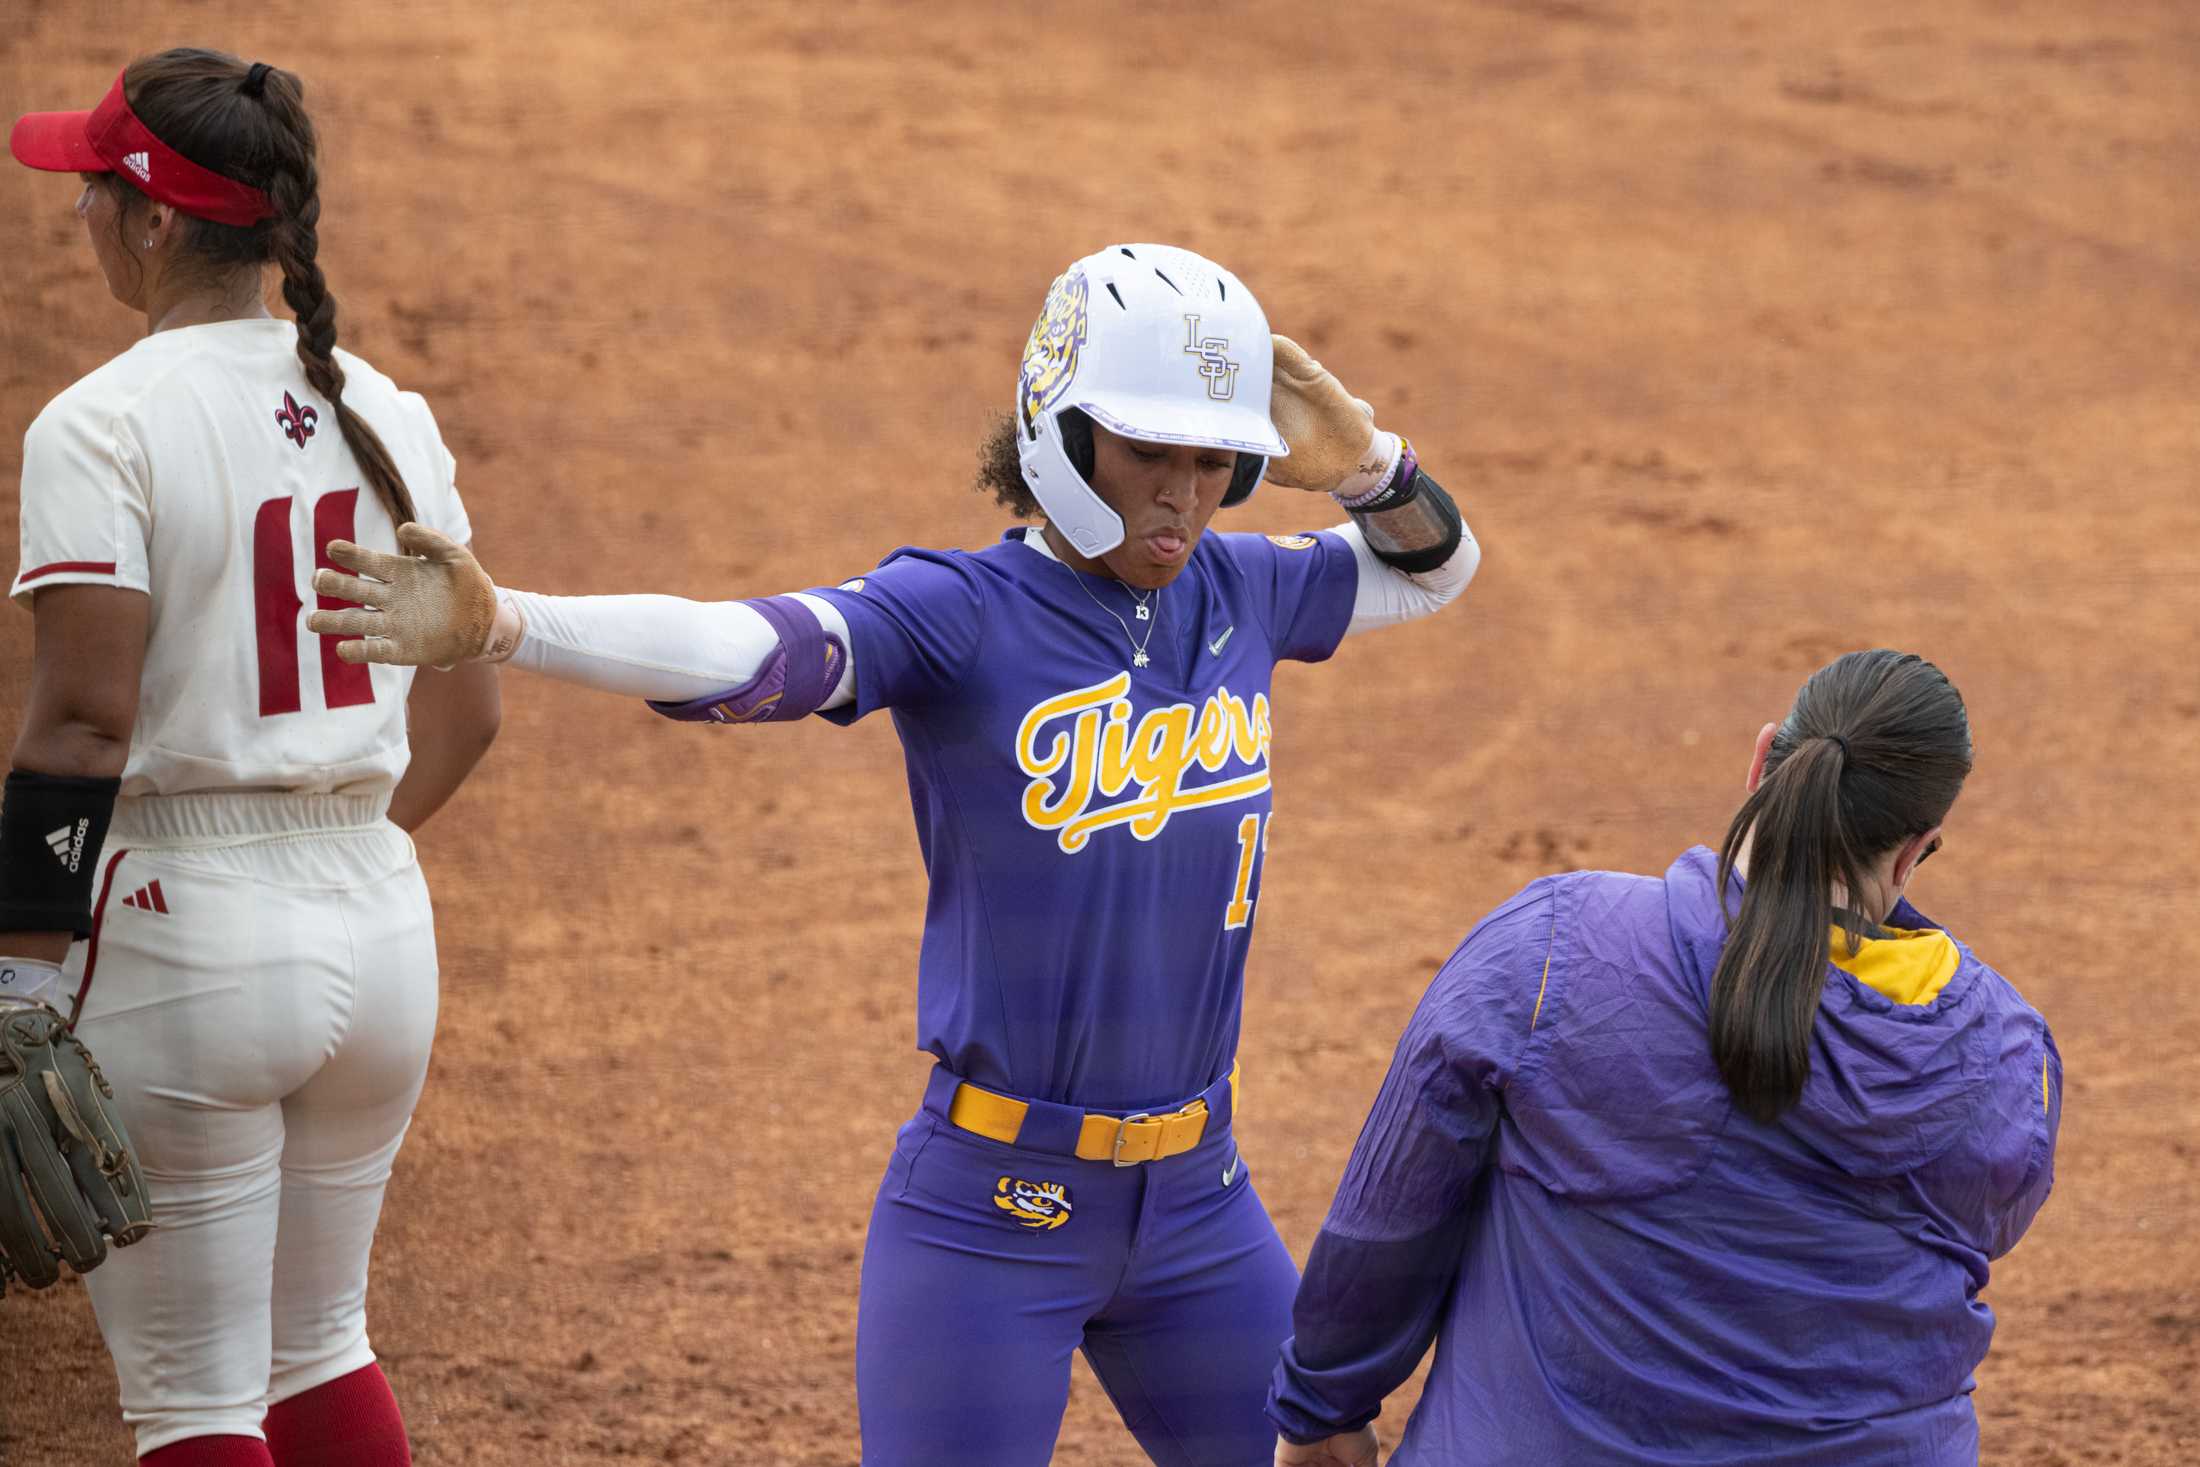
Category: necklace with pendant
[1138,648]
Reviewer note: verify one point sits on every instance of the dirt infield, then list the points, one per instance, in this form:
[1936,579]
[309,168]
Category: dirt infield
[1744,335]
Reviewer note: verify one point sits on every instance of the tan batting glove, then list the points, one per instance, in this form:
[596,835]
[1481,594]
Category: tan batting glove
[1335,446]
[433,606]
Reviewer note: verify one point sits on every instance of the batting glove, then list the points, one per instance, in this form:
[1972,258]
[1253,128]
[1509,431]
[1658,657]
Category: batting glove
[433,606]
[1335,446]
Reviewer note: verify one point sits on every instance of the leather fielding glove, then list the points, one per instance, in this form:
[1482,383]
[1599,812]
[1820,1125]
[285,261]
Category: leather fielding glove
[68,1180]
[433,606]
[1335,446]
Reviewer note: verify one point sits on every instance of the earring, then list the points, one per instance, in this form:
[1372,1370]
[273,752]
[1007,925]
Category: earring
[148,241]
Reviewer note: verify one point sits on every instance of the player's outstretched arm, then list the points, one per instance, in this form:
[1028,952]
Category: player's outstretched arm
[1415,552]
[774,659]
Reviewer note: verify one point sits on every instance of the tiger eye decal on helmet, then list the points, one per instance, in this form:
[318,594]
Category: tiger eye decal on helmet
[1050,356]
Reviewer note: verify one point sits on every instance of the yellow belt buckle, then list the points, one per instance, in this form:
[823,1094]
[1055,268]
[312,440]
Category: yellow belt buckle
[1122,1133]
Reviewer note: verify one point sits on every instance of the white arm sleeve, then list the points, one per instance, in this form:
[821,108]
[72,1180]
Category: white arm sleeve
[1388,596]
[660,647]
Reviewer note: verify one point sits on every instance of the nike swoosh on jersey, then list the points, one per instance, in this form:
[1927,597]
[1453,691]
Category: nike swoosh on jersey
[1215,646]
[1229,1173]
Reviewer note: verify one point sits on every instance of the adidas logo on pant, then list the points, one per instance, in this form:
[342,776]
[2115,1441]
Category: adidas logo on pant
[68,844]
[147,898]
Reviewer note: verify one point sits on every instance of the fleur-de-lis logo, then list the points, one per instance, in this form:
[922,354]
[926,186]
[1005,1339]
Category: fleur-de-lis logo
[295,421]
[1034,1204]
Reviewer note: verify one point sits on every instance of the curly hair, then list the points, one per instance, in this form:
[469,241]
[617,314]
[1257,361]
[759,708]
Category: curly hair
[1000,472]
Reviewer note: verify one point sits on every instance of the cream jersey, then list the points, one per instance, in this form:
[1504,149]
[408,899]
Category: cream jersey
[199,468]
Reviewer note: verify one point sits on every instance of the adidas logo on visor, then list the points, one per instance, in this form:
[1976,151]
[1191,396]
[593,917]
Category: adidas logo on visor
[139,163]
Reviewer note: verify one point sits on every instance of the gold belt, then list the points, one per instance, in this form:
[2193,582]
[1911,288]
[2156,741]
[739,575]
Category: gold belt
[1123,1140]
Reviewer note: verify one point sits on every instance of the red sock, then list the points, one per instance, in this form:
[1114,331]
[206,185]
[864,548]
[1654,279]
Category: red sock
[353,1421]
[211,1451]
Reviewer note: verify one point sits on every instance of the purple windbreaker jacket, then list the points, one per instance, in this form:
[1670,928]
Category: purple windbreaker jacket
[1618,1267]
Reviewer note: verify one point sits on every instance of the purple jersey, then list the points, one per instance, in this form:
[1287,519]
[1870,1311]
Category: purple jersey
[1092,829]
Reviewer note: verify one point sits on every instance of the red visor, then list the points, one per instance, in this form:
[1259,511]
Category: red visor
[110,139]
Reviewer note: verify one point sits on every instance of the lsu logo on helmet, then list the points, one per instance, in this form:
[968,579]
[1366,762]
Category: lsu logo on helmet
[1050,356]
[1034,1204]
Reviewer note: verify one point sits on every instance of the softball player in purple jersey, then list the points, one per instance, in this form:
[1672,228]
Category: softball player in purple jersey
[1086,716]
[1707,1169]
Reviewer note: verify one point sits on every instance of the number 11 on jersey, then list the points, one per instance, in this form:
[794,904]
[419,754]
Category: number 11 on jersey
[276,607]
[1252,845]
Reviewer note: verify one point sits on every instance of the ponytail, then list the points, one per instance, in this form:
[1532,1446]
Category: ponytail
[295,188]
[1875,751]
[1772,972]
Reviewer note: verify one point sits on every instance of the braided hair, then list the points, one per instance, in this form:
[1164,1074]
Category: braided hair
[249,123]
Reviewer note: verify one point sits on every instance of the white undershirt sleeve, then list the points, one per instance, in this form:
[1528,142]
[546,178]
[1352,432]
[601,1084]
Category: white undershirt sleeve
[661,647]
[1388,596]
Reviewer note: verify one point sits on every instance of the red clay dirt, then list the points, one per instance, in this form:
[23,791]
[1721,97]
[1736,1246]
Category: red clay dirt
[1745,333]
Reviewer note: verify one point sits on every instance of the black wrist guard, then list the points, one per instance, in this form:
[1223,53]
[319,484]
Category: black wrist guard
[51,829]
[1431,537]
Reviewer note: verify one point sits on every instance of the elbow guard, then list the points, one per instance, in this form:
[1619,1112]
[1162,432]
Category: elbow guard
[796,678]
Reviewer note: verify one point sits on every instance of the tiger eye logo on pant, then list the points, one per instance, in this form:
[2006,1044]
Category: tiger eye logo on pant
[1034,1204]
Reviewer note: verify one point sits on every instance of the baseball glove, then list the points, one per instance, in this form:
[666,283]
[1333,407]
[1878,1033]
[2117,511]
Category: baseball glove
[66,1172]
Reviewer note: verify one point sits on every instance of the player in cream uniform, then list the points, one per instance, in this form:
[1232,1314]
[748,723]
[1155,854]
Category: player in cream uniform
[259,980]
[178,477]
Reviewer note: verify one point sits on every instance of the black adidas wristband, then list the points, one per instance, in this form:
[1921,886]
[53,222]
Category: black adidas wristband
[51,829]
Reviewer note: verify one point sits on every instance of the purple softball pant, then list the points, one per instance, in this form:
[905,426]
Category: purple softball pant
[1168,1275]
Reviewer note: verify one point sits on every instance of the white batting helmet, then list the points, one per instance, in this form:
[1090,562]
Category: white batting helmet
[1154,343]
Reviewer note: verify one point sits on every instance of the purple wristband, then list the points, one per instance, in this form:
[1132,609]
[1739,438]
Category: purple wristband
[1393,491]
[797,676]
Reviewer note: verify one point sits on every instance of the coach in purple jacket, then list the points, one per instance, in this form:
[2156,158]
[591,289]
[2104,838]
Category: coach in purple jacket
[1672,1184]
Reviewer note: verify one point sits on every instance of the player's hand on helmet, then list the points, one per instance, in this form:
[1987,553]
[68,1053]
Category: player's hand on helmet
[433,606]
[1353,1449]
[1335,446]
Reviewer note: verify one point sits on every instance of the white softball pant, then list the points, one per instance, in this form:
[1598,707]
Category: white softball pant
[261,992]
